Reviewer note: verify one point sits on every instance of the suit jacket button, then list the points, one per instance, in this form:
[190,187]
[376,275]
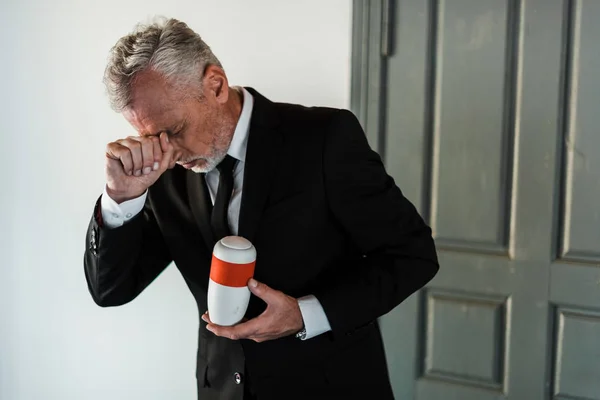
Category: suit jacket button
[237,377]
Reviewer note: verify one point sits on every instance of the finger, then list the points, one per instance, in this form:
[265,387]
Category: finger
[206,318]
[147,147]
[158,153]
[165,144]
[147,156]
[135,148]
[167,161]
[264,292]
[116,151]
[245,330]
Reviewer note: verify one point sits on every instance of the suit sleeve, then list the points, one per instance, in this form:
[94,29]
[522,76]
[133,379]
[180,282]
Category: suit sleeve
[399,255]
[121,262]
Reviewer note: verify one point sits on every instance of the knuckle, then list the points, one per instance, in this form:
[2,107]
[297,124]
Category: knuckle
[132,145]
[114,147]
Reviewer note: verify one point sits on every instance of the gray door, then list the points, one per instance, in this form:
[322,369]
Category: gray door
[487,113]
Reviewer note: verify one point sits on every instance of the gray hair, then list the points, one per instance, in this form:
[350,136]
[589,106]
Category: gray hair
[167,46]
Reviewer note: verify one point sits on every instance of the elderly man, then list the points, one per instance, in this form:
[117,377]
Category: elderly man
[338,245]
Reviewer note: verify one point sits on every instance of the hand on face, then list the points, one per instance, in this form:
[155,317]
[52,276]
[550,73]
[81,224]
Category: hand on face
[133,164]
[281,318]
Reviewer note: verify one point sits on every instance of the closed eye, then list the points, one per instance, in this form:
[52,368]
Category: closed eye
[174,133]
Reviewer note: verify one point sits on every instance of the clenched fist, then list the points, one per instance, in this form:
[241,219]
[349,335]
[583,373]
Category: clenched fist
[133,165]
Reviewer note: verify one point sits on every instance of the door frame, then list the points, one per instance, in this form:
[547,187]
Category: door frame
[371,45]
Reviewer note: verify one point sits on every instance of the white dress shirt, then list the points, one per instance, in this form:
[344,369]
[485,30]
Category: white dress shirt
[115,215]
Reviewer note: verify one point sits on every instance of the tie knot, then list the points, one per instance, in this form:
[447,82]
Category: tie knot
[226,166]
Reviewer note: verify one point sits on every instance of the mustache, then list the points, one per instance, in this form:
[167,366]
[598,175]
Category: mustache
[188,160]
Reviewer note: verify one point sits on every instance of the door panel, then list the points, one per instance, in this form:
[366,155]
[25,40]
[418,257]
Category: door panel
[575,273]
[486,113]
[469,151]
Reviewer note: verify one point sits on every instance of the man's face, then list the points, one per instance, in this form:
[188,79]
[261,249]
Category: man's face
[199,129]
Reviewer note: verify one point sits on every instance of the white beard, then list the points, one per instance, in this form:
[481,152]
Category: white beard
[209,164]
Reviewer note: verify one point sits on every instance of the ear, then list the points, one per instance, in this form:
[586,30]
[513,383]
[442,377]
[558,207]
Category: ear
[215,84]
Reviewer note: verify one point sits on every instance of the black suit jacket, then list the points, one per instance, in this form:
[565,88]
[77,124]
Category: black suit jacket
[326,220]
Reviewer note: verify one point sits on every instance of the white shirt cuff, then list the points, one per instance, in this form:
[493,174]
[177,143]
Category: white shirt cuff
[315,320]
[115,215]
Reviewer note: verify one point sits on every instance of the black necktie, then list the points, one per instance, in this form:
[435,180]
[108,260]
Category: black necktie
[218,219]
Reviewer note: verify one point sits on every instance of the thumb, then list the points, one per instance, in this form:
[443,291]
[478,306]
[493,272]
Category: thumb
[168,150]
[261,290]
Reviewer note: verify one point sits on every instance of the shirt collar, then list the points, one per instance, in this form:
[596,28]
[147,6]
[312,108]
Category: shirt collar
[239,142]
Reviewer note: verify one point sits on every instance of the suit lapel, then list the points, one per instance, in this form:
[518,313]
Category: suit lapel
[201,205]
[262,155]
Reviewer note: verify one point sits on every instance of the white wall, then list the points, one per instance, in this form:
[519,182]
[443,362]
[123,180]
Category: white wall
[55,343]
